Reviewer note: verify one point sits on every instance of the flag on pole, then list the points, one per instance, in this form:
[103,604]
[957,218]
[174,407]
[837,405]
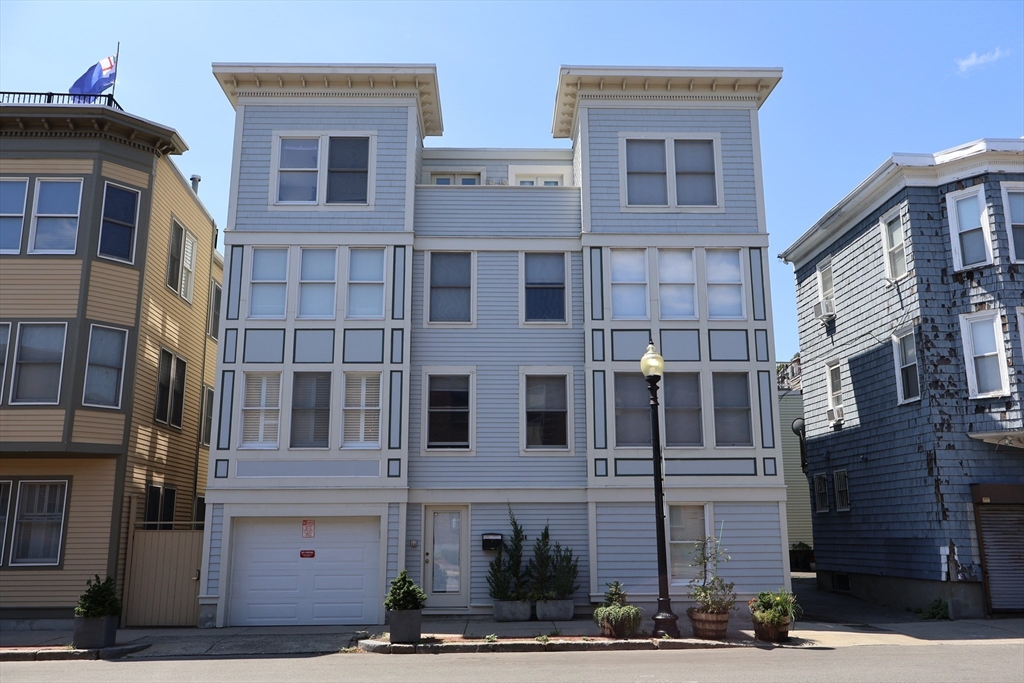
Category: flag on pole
[98,78]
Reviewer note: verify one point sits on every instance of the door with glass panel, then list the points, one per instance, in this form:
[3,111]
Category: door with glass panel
[446,556]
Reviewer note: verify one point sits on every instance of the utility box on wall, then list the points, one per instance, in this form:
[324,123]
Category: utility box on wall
[492,541]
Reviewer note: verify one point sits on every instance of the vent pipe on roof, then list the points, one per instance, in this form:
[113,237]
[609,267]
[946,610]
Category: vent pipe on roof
[195,183]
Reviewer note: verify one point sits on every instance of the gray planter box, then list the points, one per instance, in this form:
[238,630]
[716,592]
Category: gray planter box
[405,625]
[511,610]
[554,610]
[95,633]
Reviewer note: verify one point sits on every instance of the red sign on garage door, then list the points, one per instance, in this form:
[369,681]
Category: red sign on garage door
[308,528]
[307,553]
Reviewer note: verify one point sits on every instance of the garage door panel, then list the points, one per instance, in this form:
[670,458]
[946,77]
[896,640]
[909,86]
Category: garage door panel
[354,583]
[267,613]
[277,583]
[341,611]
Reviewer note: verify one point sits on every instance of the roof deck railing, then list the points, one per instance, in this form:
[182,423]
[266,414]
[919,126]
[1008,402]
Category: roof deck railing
[58,98]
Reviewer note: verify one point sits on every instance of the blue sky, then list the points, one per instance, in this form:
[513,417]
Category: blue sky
[862,80]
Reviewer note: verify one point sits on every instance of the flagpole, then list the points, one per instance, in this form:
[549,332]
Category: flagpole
[117,56]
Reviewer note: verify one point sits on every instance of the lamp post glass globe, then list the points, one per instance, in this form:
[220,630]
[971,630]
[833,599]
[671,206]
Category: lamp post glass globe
[652,364]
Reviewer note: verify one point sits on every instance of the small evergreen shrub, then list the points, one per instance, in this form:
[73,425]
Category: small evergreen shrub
[99,599]
[616,617]
[404,594]
[506,579]
[553,571]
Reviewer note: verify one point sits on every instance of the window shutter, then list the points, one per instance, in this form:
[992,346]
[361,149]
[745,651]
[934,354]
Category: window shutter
[188,267]
[362,409]
[261,414]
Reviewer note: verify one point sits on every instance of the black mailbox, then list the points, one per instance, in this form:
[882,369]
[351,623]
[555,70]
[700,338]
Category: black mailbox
[492,541]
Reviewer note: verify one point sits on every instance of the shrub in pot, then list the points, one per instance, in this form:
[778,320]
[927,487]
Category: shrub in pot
[552,573]
[713,597]
[774,613]
[616,617]
[507,583]
[404,604]
[97,615]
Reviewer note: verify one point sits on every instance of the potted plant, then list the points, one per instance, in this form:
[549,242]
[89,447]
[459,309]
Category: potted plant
[713,596]
[774,614]
[552,573]
[616,617]
[506,580]
[96,615]
[404,604]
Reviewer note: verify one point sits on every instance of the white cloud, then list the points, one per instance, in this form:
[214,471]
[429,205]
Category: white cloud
[975,60]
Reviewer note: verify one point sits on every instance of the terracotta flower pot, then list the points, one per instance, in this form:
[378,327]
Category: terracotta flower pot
[770,633]
[708,626]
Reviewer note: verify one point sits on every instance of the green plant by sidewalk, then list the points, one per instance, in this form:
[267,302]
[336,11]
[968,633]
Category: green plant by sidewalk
[491,638]
[711,593]
[99,599]
[937,609]
[616,617]
[541,639]
[404,594]
[506,579]
[774,608]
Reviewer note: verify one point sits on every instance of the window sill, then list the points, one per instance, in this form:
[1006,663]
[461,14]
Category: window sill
[982,397]
[258,447]
[710,208]
[438,323]
[545,323]
[115,259]
[360,447]
[96,405]
[39,252]
[909,401]
[964,269]
[428,452]
[27,403]
[546,452]
[313,206]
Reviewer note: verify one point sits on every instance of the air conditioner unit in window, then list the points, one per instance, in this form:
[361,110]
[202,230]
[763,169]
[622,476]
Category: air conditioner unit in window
[834,414]
[825,310]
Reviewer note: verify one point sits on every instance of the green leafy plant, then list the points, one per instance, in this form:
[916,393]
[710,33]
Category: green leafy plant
[711,593]
[99,599]
[541,639]
[491,638]
[616,617]
[937,609]
[665,636]
[586,639]
[506,579]
[404,594]
[774,608]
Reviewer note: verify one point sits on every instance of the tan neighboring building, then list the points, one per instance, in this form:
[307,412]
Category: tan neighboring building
[109,291]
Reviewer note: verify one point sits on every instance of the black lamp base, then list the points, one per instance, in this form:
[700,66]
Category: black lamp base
[665,621]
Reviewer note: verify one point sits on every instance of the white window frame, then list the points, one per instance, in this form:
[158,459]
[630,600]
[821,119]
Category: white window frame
[1006,188]
[135,226]
[298,269]
[321,203]
[751,407]
[24,207]
[382,282]
[565,371]
[287,273]
[742,285]
[898,359]
[261,445]
[692,282]
[363,408]
[646,283]
[708,531]
[427,322]
[842,492]
[124,356]
[670,173]
[820,492]
[831,390]
[563,174]
[826,265]
[954,227]
[429,174]
[4,365]
[456,178]
[14,365]
[461,370]
[994,319]
[566,292]
[888,249]
[63,523]
[35,217]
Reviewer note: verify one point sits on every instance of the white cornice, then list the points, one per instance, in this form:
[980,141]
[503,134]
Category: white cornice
[496,153]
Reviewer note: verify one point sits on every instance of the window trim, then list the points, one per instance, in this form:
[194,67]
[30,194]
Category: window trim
[562,172]
[14,365]
[439,370]
[966,320]
[471,323]
[566,292]
[323,150]
[889,216]
[13,522]
[287,275]
[842,492]
[708,531]
[820,493]
[826,264]
[427,175]
[566,372]
[751,406]
[175,360]
[456,178]
[35,217]
[898,335]
[646,283]
[24,208]
[1005,188]
[742,283]
[663,410]
[135,226]
[363,408]
[670,173]
[298,290]
[954,226]
[124,357]
[185,236]
[383,282]
[693,282]
[830,390]
[4,365]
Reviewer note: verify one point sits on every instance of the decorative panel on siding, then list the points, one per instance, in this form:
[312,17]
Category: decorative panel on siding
[46,166]
[414,533]
[113,293]
[98,426]
[40,288]
[31,424]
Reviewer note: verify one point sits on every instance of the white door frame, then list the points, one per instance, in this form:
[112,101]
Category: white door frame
[459,599]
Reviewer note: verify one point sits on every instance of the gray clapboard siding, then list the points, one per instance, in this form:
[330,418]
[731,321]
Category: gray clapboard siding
[497,462]
[738,172]
[414,532]
[393,541]
[627,547]
[751,536]
[256,176]
[567,525]
[216,537]
[498,211]
[496,169]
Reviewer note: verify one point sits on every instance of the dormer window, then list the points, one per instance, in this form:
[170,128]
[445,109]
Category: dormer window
[670,172]
[333,170]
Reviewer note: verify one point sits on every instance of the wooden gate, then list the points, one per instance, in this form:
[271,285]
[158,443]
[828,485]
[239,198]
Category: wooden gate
[163,577]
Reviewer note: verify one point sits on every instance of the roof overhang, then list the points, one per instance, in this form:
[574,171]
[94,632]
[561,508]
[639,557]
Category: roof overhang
[1014,438]
[906,170]
[325,81]
[702,84]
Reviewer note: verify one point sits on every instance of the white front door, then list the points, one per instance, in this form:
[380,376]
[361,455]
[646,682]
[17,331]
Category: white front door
[446,556]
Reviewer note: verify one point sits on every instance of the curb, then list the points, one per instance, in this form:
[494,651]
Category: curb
[58,654]
[382,647]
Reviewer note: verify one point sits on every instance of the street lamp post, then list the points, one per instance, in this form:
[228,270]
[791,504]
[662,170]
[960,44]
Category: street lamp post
[653,367]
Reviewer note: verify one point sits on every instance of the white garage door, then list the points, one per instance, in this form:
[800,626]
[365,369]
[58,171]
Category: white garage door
[275,582]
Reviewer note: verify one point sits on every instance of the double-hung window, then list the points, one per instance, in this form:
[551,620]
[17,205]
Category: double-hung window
[213,319]
[13,193]
[821,492]
[842,488]
[5,339]
[1013,217]
[160,504]
[332,169]
[297,170]
[732,409]
[361,412]
[632,411]
[268,283]
[984,354]
[894,237]
[348,165]
[206,432]
[451,287]
[835,391]
[317,283]
[629,284]
[104,374]
[683,424]
[687,176]
[39,518]
[38,363]
[311,410]
[55,219]
[646,174]
[544,287]
[448,412]
[261,409]
[170,389]
[724,276]
[686,526]
[181,261]
[677,298]
[365,283]
[120,218]
[547,412]
[908,387]
[968,225]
